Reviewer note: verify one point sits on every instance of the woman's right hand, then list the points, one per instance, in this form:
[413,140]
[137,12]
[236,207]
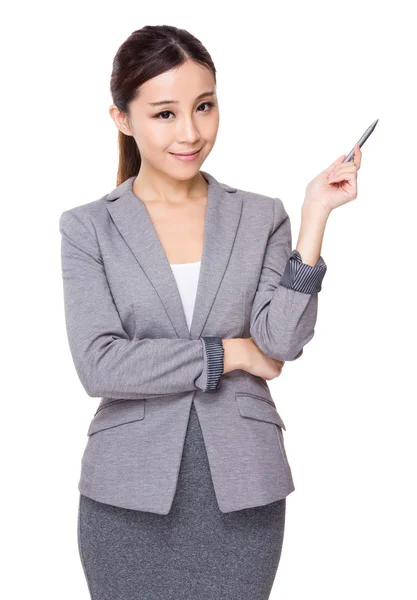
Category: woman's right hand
[243,353]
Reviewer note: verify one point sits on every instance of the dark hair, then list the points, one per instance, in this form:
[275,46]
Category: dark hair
[145,54]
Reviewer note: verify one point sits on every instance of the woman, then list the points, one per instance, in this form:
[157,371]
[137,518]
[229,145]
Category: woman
[182,298]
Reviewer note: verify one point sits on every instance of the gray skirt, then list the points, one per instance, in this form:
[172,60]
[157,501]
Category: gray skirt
[195,552]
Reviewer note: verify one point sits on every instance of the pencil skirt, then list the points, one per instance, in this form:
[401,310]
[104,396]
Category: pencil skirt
[195,552]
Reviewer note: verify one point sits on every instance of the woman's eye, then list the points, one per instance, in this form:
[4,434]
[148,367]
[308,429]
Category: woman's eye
[167,112]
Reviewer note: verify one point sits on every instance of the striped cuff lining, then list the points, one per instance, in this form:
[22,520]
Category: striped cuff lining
[215,362]
[301,277]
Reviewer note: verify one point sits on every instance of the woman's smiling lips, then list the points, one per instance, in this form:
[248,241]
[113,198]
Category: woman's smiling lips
[186,156]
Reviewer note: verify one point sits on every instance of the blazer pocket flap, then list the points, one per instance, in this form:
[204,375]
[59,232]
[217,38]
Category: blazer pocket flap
[256,407]
[117,413]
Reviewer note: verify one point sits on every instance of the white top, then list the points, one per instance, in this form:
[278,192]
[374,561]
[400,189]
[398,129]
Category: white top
[186,276]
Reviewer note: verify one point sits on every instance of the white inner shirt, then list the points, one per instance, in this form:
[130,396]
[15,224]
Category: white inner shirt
[186,276]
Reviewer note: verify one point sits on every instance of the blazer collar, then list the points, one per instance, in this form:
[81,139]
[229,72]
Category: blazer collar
[130,215]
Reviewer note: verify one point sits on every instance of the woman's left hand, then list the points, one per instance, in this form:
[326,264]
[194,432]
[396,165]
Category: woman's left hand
[336,185]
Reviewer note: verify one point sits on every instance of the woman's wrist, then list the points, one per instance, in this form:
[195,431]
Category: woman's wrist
[233,355]
[318,210]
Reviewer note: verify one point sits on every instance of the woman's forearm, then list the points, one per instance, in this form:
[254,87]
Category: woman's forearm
[310,238]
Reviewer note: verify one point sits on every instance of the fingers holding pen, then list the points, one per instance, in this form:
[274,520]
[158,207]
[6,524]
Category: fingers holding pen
[357,156]
[339,172]
[348,168]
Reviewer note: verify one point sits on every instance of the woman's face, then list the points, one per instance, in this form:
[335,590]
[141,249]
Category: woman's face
[188,123]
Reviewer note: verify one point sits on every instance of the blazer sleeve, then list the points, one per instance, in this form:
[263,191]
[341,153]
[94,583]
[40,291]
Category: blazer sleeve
[284,310]
[107,361]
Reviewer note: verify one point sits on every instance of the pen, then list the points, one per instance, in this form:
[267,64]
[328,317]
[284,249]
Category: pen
[363,139]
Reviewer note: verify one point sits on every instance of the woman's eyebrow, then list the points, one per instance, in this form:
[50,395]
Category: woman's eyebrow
[203,95]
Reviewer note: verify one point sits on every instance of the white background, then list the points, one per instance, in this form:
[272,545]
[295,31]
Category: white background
[298,84]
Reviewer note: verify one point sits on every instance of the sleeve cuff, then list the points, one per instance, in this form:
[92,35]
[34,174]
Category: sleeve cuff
[301,277]
[214,351]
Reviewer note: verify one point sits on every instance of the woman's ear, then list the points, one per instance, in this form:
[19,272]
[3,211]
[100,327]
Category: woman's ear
[120,119]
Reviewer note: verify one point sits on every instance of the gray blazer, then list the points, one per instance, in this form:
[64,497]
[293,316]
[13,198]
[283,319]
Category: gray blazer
[132,348]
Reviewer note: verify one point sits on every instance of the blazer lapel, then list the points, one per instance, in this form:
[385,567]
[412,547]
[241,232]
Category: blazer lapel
[222,217]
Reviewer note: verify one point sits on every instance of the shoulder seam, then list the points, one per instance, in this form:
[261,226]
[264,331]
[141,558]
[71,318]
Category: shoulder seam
[84,225]
[99,260]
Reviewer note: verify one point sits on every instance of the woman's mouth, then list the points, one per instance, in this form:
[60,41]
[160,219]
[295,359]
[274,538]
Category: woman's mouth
[186,157]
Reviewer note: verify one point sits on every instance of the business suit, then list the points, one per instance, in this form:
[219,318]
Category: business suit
[131,345]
